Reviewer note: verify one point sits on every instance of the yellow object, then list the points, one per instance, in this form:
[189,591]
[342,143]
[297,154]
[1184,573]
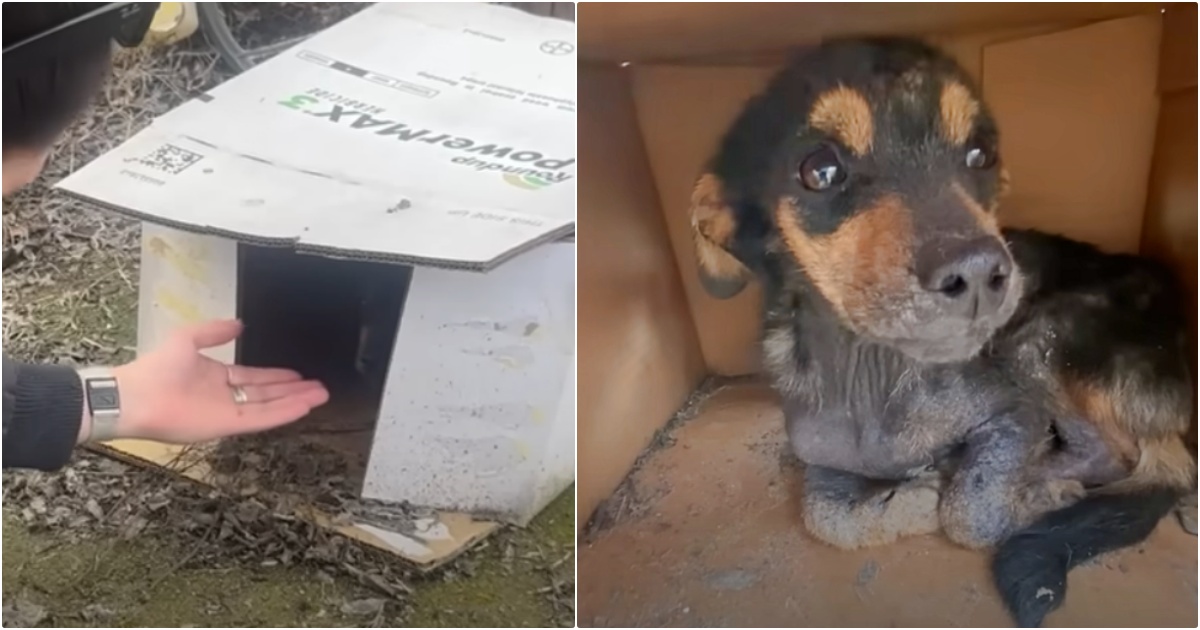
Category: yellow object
[173,22]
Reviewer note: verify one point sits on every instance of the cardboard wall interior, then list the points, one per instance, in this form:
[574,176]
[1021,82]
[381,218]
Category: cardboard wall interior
[1097,108]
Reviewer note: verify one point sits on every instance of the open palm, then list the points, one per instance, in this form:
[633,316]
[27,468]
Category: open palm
[176,394]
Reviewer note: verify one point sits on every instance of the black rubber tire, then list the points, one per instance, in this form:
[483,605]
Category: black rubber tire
[211,16]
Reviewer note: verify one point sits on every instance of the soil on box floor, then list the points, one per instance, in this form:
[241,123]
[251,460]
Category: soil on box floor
[719,542]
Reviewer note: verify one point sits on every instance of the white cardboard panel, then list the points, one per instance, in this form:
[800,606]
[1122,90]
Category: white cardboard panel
[247,199]
[185,279]
[475,415]
[558,469]
[428,133]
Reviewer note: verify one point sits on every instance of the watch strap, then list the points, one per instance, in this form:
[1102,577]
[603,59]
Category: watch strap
[102,396]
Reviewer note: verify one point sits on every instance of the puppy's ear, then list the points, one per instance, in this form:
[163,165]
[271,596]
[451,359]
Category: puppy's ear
[713,228]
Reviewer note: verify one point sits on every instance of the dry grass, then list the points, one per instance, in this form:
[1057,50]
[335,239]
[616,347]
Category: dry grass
[70,271]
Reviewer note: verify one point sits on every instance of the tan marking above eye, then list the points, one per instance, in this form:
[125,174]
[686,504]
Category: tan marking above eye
[845,114]
[958,110]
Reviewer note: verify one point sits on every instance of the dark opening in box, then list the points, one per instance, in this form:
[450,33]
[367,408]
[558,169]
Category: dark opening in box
[330,319]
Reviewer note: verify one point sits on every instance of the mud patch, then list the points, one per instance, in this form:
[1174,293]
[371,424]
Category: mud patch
[867,574]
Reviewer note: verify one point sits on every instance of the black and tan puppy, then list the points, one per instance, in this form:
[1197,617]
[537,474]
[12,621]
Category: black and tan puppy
[928,361]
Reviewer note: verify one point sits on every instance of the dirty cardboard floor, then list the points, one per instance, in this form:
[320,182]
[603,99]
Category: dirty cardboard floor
[709,535]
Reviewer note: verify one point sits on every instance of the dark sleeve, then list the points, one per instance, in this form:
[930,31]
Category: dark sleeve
[43,406]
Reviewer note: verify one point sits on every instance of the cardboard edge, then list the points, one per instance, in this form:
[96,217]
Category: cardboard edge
[565,231]
[653,32]
[440,263]
[463,529]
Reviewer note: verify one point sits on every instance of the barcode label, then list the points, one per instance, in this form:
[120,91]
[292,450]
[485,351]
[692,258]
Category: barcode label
[170,159]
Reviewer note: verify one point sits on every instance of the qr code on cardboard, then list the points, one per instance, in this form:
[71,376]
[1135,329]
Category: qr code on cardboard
[170,159]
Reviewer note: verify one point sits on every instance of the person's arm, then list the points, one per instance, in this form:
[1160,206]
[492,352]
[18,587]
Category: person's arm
[43,415]
[171,394]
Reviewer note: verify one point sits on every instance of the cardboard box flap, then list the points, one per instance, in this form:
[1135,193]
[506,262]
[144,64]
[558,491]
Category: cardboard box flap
[659,31]
[420,133]
[1177,65]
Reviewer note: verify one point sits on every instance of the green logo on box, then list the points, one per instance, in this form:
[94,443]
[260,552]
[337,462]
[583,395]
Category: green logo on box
[526,182]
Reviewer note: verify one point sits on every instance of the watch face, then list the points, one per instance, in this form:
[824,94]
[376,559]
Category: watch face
[102,394]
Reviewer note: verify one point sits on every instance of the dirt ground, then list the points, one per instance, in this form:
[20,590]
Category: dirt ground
[54,579]
[101,544]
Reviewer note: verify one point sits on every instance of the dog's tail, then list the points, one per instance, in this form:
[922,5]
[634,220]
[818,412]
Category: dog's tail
[1030,568]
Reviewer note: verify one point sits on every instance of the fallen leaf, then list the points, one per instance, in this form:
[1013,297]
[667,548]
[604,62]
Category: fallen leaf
[23,613]
[360,607]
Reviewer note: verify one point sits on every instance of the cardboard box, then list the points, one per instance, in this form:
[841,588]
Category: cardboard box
[388,206]
[1097,107]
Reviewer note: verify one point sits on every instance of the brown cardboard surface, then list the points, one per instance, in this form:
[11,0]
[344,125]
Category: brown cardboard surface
[967,48]
[640,357]
[1170,228]
[660,31]
[715,537]
[461,531]
[1077,113]
[1169,232]
[1177,70]
[721,544]
[683,112]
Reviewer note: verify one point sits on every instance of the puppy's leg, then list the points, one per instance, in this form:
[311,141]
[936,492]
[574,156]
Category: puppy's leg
[850,511]
[992,495]
[1080,453]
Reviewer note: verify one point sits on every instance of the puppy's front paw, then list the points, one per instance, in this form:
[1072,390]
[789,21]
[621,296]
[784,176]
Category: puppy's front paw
[879,518]
[912,508]
[931,478]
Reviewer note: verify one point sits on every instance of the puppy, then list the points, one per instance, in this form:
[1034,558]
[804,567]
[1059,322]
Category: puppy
[928,360]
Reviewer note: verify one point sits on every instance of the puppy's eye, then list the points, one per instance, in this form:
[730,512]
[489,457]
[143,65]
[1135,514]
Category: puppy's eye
[980,158]
[822,170]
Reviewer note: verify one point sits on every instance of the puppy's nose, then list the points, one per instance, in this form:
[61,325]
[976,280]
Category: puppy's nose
[973,273]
